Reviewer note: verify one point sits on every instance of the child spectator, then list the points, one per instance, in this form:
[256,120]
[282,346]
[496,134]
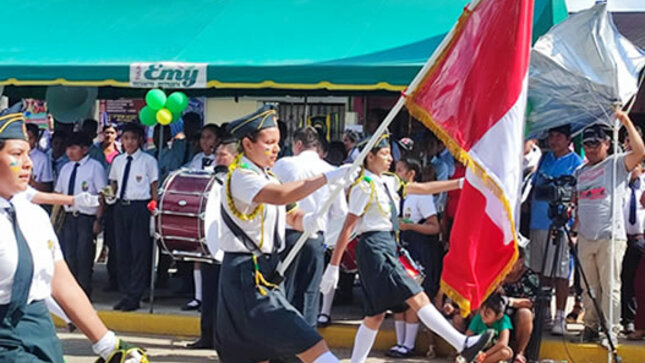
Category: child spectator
[521,287]
[491,316]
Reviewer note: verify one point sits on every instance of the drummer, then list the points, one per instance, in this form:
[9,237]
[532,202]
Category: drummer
[373,215]
[224,155]
[251,311]
[32,267]
[209,138]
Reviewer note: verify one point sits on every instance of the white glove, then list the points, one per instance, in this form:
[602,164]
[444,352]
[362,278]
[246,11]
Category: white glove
[133,357]
[461,183]
[109,200]
[311,224]
[106,345]
[85,200]
[341,175]
[329,280]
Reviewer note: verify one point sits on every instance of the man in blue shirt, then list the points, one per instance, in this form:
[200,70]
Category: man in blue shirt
[560,160]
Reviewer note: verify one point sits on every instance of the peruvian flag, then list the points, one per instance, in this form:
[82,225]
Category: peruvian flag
[473,98]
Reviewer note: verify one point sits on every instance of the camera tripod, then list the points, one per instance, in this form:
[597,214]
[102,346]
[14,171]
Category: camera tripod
[554,239]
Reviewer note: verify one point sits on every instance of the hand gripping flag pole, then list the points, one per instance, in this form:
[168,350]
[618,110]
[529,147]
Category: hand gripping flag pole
[278,276]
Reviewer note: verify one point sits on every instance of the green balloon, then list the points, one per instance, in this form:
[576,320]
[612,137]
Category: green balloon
[177,102]
[156,99]
[176,116]
[148,116]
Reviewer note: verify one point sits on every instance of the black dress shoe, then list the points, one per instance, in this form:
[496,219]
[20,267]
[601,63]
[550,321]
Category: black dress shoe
[130,306]
[119,305]
[201,344]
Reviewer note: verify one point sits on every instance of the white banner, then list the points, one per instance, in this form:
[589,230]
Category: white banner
[168,75]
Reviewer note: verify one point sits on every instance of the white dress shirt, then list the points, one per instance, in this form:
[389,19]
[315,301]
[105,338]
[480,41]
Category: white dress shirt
[246,183]
[417,207]
[42,170]
[197,162]
[374,218]
[43,244]
[306,165]
[90,177]
[143,172]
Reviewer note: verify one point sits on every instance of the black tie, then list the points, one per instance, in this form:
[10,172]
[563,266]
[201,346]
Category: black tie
[24,270]
[72,180]
[126,174]
[206,162]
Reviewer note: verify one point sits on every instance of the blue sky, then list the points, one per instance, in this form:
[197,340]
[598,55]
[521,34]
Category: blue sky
[614,5]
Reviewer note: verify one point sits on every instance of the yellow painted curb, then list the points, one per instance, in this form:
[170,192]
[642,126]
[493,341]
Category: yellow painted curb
[342,336]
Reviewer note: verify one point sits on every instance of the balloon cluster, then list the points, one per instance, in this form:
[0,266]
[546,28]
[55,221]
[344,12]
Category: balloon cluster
[162,109]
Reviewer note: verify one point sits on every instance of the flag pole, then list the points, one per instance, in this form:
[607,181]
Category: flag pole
[284,264]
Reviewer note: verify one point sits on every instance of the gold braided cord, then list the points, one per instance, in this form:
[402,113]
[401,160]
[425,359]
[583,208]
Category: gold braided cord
[229,199]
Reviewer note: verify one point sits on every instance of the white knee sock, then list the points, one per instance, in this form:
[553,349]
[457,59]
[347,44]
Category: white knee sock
[327,357]
[399,327]
[55,309]
[411,330]
[326,303]
[197,276]
[433,319]
[363,344]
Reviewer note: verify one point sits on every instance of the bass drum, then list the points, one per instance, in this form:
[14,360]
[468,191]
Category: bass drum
[184,204]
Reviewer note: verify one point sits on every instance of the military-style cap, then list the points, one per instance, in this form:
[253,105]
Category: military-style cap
[265,117]
[383,141]
[12,123]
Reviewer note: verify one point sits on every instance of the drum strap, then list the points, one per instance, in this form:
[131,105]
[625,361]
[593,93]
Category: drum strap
[240,234]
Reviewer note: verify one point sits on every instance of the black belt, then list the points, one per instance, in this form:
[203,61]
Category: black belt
[133,201]
[77,214]
[634,236]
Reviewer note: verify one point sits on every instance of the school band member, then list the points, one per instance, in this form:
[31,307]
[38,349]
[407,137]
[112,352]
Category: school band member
[42,177]
[254,320]
[133,177]
[204,160]
[302,279]
[32,268]
[224,155]
[373,213]
[81,174]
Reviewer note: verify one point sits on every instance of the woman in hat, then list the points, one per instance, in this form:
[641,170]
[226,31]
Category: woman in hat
[254,320]
[373,205]
[32,267]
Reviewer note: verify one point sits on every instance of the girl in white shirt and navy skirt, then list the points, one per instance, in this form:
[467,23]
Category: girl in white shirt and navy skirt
[373,215]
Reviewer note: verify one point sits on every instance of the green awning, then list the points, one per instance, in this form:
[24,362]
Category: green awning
[360,45]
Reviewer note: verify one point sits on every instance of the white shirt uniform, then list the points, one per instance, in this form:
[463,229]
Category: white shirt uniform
[375,218]
[42,242]
[246,183]
[197,162]
[418,208]
[143,172]
[639,226]
[42,170]
[90,177]
[306,165]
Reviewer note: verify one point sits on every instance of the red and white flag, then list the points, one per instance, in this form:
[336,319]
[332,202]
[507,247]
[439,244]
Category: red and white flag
[473,98]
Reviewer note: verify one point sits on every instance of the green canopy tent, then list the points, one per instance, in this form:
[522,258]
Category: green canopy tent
[307,46]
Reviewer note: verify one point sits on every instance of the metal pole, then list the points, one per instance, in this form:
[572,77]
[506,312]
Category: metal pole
[284,264]
[155,248]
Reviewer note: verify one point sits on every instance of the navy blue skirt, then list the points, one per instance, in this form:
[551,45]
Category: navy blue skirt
[384,282]
[251,327]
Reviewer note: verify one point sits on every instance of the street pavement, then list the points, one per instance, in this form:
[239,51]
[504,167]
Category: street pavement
[168,349]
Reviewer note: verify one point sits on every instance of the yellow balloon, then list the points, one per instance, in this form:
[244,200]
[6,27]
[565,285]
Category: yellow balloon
[164,116]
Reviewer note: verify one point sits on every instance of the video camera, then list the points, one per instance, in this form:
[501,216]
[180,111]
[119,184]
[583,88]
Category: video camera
[558,191]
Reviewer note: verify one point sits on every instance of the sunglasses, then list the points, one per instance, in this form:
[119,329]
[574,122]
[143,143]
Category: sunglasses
[591,144]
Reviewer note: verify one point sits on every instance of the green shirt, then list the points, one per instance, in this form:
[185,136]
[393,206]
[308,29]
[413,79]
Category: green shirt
[477,326]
